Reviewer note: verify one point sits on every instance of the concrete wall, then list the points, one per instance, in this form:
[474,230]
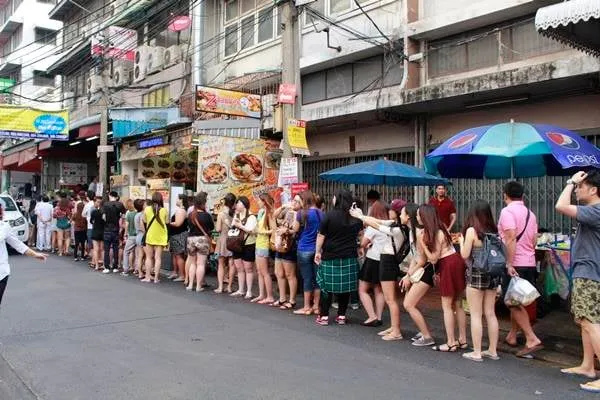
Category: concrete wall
[366,139]
[574,113]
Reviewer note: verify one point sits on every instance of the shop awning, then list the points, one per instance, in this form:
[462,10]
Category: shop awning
[237,128]
[575,23]
[10,159]
[88,131]
[128,122]
[9,67]
[27,155]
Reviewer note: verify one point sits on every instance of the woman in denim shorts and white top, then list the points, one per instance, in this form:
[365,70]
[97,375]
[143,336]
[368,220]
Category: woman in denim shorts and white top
[264,229]
[244,260]
[285,263]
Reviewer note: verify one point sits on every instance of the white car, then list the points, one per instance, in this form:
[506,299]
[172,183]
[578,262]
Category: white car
[15,218]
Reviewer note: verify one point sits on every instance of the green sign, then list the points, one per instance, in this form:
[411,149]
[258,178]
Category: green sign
[6,85]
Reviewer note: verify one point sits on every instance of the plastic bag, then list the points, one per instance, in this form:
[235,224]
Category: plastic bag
[520,293]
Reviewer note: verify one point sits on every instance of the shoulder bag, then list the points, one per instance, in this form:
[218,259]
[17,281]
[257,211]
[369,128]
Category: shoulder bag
[236,238]
[281,243]
[211,241]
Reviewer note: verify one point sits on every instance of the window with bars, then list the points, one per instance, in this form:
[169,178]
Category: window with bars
[45,36]
[156,98]
[248,23]
[40,78]
[488,47]
[351,78]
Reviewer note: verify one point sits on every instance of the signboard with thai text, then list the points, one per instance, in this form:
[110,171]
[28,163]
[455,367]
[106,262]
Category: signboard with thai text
[221,101]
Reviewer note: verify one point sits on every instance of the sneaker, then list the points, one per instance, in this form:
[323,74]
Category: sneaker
[355,306]
[416,337]
[340,320]
[115,270]
[106,271]
[422,342]
[323,321]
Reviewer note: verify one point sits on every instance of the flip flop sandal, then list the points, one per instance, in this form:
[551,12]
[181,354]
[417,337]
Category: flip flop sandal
[445,348]
[487,354]
[385,332]
[471,357]
[510,343]
[389,338]
[288,306]
[567,371]
[589,387]
[303,312]
[463,346]
[526,351]
[276,303]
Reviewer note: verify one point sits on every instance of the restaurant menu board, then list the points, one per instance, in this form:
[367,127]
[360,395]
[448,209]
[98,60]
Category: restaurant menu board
[244,167]
[230,102]
[179,166]
[137,192]
[73,173]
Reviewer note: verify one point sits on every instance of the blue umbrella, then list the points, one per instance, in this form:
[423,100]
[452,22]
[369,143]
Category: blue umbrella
[512,150]
[382,172]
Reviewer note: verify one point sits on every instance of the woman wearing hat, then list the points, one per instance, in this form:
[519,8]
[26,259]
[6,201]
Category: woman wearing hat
[7,236]
[389,268]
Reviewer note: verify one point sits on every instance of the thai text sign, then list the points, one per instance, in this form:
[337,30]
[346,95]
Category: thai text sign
[288,171]
[29,123]
[221,101]
[296,131]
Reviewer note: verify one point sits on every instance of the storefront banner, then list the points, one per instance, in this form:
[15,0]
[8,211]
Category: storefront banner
[178,142]
[29,123]
[300,187]
[221,101]
[288,171]
[73,173]
[287,93]
[296,130]
[244,167]
[119,181]
[127,122]
[137,192]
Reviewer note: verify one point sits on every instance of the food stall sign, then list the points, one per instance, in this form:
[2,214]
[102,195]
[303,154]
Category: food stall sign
[296,132]
[152,142]
[229,102]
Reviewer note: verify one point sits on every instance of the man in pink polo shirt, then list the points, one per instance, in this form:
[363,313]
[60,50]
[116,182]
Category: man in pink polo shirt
[518,228]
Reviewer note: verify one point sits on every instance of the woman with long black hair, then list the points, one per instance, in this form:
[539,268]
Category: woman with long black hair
[244,260]
[337,257]
[198,242]
[439,251]
[178,234]
[155,218]
[481,287]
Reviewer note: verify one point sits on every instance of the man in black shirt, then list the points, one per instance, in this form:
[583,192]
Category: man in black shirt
[112,212]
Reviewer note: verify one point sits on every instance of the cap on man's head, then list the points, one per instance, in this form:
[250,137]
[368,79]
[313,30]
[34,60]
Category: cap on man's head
[398,204]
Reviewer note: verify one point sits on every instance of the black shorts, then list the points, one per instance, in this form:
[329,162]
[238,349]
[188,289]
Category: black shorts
[389,269]
[3,283]
[369,271]
[287,256]
[247,254]
[428,274]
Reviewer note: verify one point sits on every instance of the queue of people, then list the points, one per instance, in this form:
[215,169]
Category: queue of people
[397,250]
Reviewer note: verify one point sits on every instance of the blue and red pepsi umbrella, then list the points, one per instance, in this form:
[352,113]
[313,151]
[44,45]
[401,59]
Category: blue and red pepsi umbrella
[512,150]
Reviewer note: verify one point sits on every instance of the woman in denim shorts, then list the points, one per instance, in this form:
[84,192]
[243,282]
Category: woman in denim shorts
[264,229]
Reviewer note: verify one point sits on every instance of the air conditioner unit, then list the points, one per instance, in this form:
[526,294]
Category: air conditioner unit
[95,84]
[140,64]
[173,55]
[156,59]
[121,76]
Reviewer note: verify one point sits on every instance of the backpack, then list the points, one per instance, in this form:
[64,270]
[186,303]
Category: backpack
[492,257]
[402,252]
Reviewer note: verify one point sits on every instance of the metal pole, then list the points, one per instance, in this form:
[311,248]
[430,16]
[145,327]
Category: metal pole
[102,174]
[290,63]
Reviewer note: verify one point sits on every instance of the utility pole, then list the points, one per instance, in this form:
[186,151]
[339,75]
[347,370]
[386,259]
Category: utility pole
[290,57]
[102,154]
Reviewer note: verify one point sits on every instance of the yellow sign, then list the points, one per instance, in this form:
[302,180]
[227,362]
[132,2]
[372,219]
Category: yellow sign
[296,130]
[29,123]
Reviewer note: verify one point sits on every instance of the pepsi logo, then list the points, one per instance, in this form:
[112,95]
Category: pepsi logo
[563,140]
[462,141]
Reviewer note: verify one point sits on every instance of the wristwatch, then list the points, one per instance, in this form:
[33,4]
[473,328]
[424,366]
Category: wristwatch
[570,182]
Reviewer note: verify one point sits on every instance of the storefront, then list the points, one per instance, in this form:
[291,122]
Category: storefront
[155,144]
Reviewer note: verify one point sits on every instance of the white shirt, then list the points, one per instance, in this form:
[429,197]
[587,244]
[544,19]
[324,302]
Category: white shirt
[378,241]
[87,213]
[7,236]
[44,212]
[390,232]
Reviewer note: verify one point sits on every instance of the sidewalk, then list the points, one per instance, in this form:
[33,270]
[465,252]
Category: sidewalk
[558,332]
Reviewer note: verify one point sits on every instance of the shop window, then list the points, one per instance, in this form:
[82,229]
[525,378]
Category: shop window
[45,36]
[157,98]
[265,25]
[365,74]
[248,32]
[314,87]
[42,79]
[488,47]
[339,81]
[231,41]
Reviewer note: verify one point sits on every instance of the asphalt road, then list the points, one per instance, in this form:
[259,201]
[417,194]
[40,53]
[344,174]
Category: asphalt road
[69,333]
